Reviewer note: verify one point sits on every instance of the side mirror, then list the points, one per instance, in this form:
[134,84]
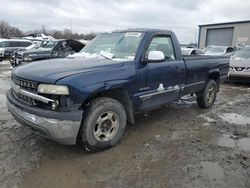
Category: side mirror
[156,56]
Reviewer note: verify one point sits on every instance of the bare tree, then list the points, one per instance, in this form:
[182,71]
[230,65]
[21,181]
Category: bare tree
[4,27]
[67,34]
[7,31]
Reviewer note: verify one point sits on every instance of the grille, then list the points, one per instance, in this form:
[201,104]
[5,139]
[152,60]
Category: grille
[24,99]
[240,68]
[26,84]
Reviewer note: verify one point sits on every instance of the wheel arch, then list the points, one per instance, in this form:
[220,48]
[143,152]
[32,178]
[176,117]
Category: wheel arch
[215,75]
[118,94]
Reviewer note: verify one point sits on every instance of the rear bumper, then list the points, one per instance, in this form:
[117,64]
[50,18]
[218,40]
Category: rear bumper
[62,127]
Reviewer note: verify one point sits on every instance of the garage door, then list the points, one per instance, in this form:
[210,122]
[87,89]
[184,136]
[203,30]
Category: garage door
[220,37]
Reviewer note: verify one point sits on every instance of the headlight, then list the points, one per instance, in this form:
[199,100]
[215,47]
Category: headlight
[53,89]
[27,58]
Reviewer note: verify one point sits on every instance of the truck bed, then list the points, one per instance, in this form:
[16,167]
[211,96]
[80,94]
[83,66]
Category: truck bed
[198,68]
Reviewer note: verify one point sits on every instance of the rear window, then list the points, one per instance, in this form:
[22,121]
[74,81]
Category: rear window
[15,44]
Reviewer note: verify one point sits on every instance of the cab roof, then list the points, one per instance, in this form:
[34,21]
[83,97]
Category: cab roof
[143,30]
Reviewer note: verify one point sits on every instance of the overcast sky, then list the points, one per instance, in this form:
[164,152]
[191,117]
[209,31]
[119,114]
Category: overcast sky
[183,17]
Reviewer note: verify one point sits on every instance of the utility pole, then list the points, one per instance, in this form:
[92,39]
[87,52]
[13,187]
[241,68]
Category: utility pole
[195,38]
[43,29]
[71,25]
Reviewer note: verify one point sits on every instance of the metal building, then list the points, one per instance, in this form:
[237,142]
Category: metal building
[224,34]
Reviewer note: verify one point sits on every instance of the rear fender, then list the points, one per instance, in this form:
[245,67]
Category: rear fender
[214,74]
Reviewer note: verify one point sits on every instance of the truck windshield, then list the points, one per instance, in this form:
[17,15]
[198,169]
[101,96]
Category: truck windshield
[50,44]
[115,46]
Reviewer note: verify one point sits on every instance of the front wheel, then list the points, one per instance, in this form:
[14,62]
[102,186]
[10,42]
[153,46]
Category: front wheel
[207,96]
[103,124]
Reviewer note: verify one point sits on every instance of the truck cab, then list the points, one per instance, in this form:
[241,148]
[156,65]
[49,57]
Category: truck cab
[90,96]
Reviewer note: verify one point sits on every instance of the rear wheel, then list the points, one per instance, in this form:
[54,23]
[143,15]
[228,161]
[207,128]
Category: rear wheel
[207,96]
[103,125]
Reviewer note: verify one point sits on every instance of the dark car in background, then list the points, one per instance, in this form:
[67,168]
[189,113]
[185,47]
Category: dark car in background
[51,49]
[7,46]
[240,66]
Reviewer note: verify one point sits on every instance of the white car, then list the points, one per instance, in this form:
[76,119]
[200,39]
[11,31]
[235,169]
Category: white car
[240,66]
[191,51]
[218,50]
[8,45]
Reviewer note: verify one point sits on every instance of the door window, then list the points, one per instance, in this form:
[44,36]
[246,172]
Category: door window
[4,44]
[15,44]
[25,44]
[163,44]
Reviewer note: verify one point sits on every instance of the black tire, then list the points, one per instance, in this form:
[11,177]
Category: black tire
[101,109]
[207,96]
[12,64]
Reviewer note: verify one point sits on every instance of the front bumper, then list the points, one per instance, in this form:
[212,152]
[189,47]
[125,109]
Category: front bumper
[239,76]
[62,127]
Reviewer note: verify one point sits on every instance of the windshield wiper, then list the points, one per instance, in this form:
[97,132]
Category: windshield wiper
[106,57]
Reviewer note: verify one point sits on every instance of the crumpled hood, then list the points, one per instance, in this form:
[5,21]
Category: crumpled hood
[49,71]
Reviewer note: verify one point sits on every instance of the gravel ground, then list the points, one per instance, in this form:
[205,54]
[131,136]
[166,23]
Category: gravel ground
[178,145]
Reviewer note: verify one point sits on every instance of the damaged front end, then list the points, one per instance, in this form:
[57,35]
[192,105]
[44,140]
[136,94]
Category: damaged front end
[49,112]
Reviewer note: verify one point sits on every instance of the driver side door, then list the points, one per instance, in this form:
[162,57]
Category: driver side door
[163,80]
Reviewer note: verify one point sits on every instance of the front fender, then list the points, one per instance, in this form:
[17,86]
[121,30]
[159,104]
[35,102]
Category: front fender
[93,89]
[84,85]
[212,71]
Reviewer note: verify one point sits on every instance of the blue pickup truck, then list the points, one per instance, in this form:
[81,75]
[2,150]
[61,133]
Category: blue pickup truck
[89,97]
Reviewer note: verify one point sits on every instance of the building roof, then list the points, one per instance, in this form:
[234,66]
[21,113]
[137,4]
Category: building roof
[226,23]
